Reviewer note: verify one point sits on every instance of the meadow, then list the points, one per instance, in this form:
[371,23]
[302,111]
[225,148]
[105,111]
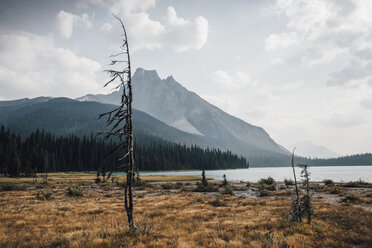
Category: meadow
[71,210]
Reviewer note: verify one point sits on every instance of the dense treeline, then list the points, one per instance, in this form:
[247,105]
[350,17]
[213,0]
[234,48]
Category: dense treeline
[180,157]
[357,159]
[41,152]
[285,160]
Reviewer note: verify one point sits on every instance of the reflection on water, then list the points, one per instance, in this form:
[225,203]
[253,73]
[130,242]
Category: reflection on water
[335,173]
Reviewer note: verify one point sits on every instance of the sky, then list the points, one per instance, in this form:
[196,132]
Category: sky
[300,69]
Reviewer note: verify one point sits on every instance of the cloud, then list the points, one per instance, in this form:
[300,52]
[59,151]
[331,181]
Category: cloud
[307,22]
[31,65]
[128,7]
[358,69]
[311,19]
[285,88]
[328,32]
[66,21]
[233,79]
[356,73]
[145,33]
[367,103]
[280,41]
[184,35]
[339,120]
[276,61]
[318,54]
[118,6]
[83,4]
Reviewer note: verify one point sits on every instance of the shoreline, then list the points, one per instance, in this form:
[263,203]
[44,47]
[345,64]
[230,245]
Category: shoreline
[73,211]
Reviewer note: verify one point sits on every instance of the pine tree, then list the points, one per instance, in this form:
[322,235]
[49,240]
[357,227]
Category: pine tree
[306,205]
[204,180]
[224,182]
[2,151]
[14,166]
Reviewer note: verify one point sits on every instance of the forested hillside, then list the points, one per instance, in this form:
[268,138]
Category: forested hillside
[41,152]
[356,159]
[63,117]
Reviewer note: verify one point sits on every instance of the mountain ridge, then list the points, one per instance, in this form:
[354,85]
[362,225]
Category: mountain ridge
[170,102]
[309,149]
[64,116]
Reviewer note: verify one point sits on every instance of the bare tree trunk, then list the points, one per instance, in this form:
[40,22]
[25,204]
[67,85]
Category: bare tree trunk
[120,114]
[298,210]
[309,199]
[130,173]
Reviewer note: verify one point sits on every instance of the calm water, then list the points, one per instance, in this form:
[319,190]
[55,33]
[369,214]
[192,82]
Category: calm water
[335,173]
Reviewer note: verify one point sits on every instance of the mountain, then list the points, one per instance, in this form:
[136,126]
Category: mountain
[63,116]
[24,102]
[309,149]
[170,102]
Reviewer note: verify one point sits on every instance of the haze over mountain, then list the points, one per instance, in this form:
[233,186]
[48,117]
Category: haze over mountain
[63,117]
[309,149]
[170,102]
[164,110]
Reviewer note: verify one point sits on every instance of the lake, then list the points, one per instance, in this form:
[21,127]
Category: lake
[319,173]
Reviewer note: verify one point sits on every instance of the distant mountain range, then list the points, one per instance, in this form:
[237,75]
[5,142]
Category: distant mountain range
[309,149]
[170,102]
[165,112]
[63,116]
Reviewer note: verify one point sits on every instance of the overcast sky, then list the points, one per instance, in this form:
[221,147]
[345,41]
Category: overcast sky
[300,69]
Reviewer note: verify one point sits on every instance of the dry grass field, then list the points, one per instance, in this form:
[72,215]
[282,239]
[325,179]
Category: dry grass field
[73,211]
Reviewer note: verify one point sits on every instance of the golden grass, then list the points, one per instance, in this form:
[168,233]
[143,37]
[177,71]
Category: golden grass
[169,218]
[79,177]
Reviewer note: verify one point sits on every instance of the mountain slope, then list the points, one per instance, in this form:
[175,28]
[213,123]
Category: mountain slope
[170,102]
[63,116]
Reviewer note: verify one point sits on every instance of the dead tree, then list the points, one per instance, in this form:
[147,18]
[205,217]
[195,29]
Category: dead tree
[296,208]
[120,119]
[306,206]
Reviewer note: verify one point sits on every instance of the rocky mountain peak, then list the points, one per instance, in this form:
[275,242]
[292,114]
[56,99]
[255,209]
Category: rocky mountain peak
[142,74]
[170,78]
[170,102]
